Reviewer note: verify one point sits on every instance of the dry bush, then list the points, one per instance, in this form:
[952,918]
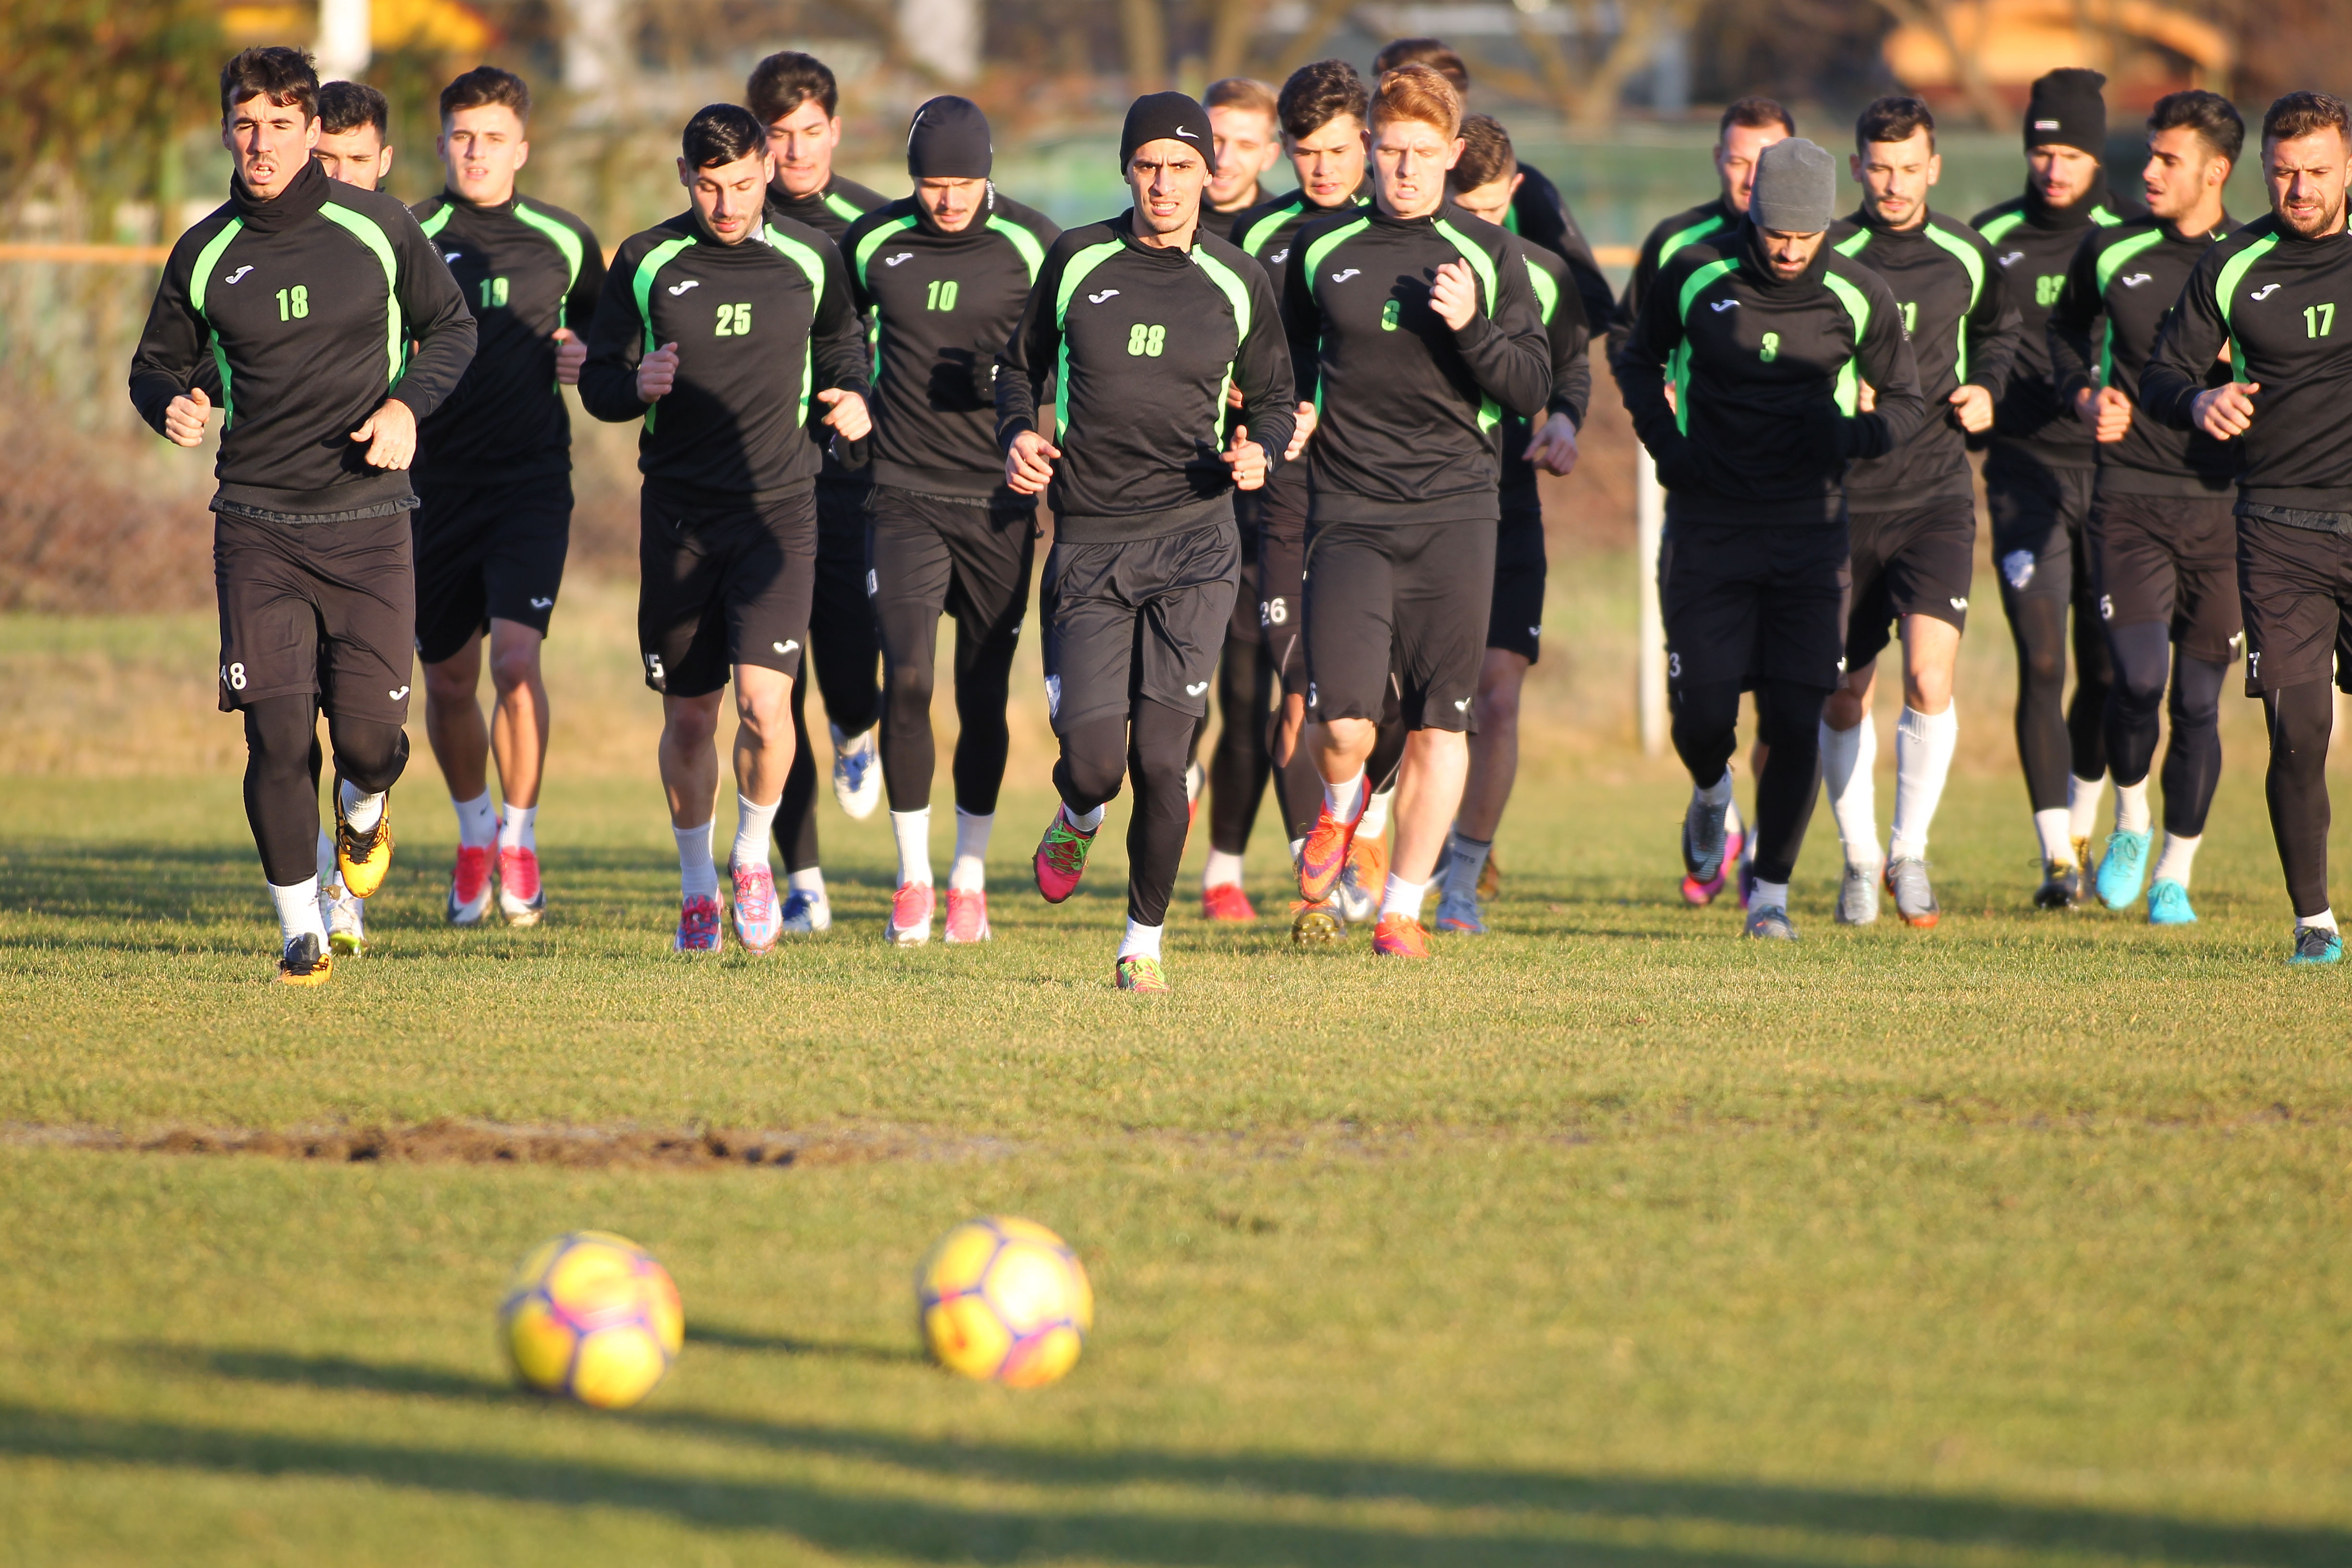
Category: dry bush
[96,522]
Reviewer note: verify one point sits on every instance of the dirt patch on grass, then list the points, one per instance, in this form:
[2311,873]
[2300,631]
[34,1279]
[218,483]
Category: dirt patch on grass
[459,1142]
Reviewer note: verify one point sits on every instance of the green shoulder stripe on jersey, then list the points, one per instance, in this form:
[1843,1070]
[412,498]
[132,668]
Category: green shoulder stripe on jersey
[1032,255]
[1236,294]
[1856,306]
[2233,272]
[1490,413]
[207,259]
[842,208]
[812,264]
[2104,218]
[1074,272]
[1255,237]
[1547,292]
[370,233]
[1707,229]
[440,219]
[1973,264]
[1999,227]
[881,236]
[2110,261]
[1851,245]
[566,243]
[641,286]
[1511,219]
[1324,247]
[1678,368]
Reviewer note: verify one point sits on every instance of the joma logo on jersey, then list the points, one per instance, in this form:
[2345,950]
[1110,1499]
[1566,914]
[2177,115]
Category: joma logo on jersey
[894,260]
[2264,292]
[2137,278]
[236,276]
[1343,277]
[678,289]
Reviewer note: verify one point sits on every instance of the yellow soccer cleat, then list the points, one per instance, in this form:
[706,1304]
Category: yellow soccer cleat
[364,858]
[305,963]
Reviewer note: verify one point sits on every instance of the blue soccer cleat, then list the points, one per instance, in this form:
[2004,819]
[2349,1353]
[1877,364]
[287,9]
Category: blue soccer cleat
[2317,944]
[2167,904]
[2123,870]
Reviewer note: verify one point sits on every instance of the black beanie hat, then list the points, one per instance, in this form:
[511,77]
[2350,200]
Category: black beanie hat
[948,140]
[2066,108]
[1164,116]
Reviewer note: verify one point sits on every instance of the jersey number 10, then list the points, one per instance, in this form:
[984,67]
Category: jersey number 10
[942,296]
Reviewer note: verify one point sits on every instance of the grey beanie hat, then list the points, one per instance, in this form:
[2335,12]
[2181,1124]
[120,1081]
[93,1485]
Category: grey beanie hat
[1796,188]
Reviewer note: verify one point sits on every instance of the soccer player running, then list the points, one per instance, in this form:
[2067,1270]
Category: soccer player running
[945,273]
[2272,293]
[320,319]
[2164,544]
[795,96]
[1243,113]
[354,119]
[1483,183]
[2038,475]
[730,333]
[1912,522]
[1412,329]
[1770,335]
[493,522]
[1145,321]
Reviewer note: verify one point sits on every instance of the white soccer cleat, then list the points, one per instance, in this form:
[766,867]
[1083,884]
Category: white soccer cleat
[345,918]
[857,773]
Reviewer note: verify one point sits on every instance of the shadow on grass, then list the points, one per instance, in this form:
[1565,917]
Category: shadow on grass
[784,1344]
[1840,1521]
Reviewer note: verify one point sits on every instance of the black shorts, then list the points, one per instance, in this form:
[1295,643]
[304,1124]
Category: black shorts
[934,557]
[2296,587]
[2039,517]
[722,584]
[2171,559]
[1135,618]
[1919,560]
[488,552]
[1404,599]
[1515,621]
[1280,592]
[324,607]
[1754,604]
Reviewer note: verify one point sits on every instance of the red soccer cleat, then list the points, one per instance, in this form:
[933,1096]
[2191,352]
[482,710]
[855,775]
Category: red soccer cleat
[1061,857]
[1325,853]
[1227,901]
[1400,936]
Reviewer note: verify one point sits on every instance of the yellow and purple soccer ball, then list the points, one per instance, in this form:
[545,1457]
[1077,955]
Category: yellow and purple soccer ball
[1004,1300]
[593,1317]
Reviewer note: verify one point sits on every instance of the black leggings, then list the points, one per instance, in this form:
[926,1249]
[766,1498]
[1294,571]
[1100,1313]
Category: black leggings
[1239,767]
[2301,719]
[1788,722]
[1150,743]
[281,776]
[983,678]
[2055,736]
[2144,657]
[795,827]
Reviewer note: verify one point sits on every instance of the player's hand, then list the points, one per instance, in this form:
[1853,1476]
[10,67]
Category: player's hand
[1865,399]
[185,418]
[2105,410]
[1246,459]
[1029,466]
[1307,419]
[1972,406]
[1454,295]
[850,420]
[2225,411]
[657,374]
[571,353]
[1553,447]
[390,435]
[1233,395]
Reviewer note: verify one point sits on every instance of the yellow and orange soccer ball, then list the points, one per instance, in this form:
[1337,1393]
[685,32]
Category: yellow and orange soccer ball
[592,1316]
[1004,1300]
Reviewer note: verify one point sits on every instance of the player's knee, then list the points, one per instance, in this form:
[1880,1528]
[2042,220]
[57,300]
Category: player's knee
[279,732]
[1845,710]
[514,667]
[908,689]
[2196,702]
[370,755]
[690,720]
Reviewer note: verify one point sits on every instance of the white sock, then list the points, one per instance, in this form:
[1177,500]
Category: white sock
[1341,797]
[1769,896]
[912,829]
[2180,854]
[1085,822]
[1403,897]
[697,876]
[1376,813]
[1924,744]
[2325,920]
[477,822]
[363,811]
[518,829]
[2082,805]
[752,824]
[970,873]
[1716,794]
[2052,828]
[1140,941]
[810,880]
[1849,759]
[1223,870]
[331,874]
[2132,814]
[1295,846]
[298,911]
[1469,859]
[1731,823]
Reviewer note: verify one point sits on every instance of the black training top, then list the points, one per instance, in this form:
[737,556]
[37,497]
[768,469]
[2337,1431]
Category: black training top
[1766,413]
[943,304]
[297,316]
[760,327]
[1539,214]
[1571,367]
[1706,223]
[1963,332]
[2129,277]
[2274,297]
[830,209]
[526,269]
[2033,244]
[1141,343]
[1268,230]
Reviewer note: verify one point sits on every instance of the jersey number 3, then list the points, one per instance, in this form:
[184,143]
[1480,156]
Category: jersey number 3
[734,322]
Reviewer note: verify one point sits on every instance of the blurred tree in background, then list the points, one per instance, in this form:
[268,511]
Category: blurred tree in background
[84,81]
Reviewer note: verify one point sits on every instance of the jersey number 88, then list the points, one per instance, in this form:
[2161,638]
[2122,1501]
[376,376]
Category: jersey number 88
[1146,340]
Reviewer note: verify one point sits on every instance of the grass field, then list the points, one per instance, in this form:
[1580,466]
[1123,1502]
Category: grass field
[1605,1239]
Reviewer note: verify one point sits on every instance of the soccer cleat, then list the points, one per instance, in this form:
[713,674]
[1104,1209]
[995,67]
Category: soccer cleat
[1317,925]
[345,918]
[698,926]
[967,916]
[521,898]
[2167,904]
[304,961]
[758,922]
[1227,901]
[1061,857]
[1857,902]
[2316,944]
[362,857]
[1460,916]
[1704,845]
[1365,879]
[2061,886]
[469,887]
[1770,923]
[1914,900]
[2082,858]
[910,915]
[858,774]
[1400,936]
[2121,872]
[1141,973]
[806,913]
[1324,856]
